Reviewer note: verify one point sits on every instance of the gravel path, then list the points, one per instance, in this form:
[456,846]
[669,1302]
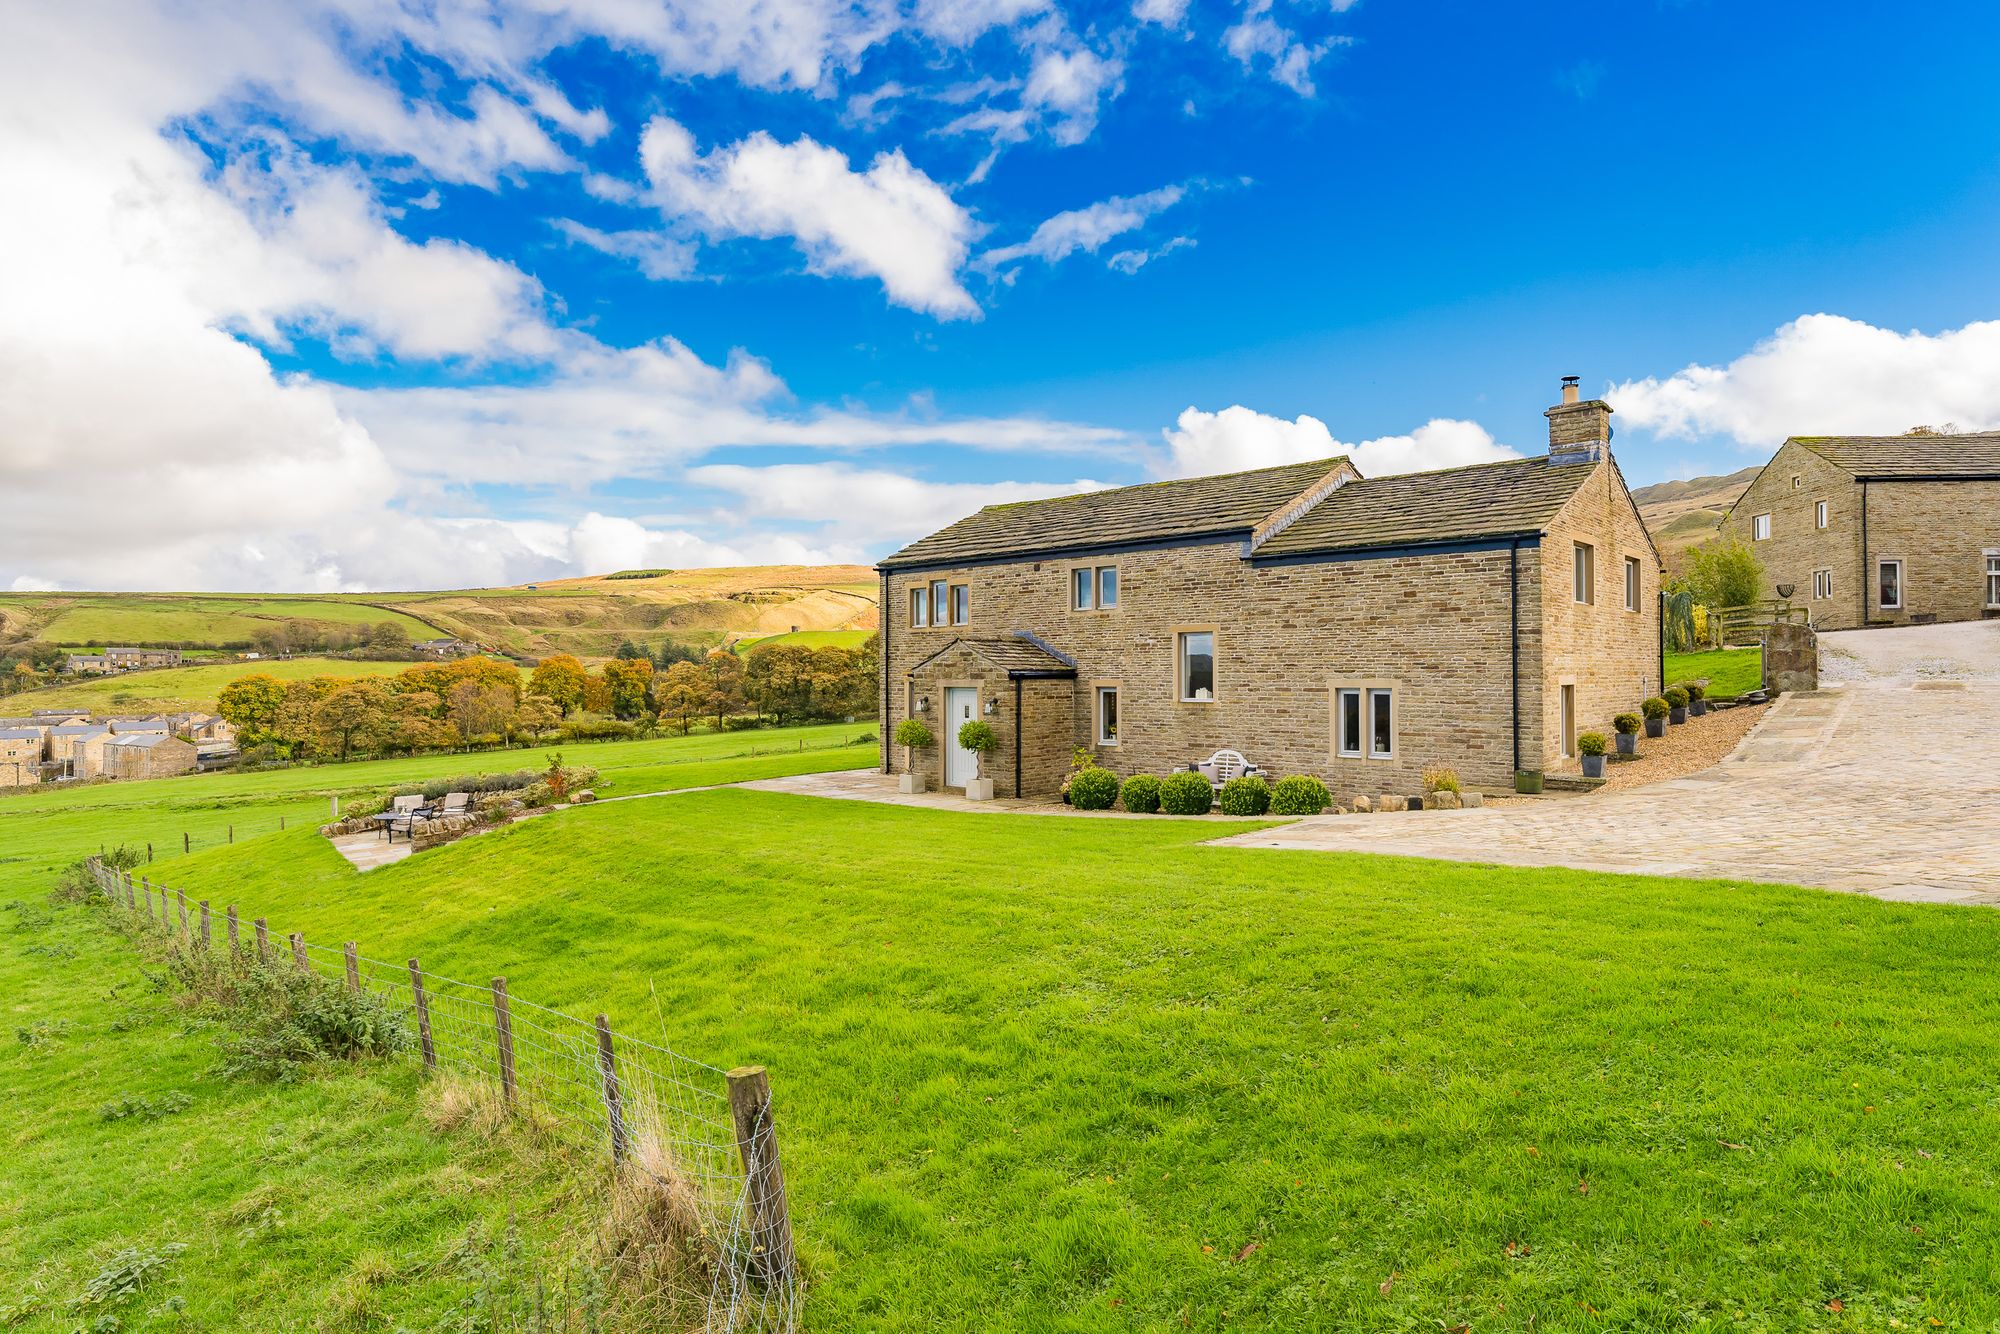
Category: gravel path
[1960,651]
[1687,749]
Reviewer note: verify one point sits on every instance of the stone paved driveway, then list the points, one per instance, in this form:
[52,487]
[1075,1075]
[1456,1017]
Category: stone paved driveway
[1886,784]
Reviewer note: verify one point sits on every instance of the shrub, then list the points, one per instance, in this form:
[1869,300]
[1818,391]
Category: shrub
[1654,707]
[1141,794]
[1590,743]
[435,788]
[1695,689]
[138,1106]
[288,1019]
[1301,794]
[1724,572]
[1441,778]
[1186,794]
[1676,697]
[913,735]
[1246,795]
[1626,724]
[1093,789]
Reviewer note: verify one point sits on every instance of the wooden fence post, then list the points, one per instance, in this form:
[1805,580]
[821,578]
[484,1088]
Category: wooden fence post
[503,1031]
[185,845]
[207,937]
[131,899]
[353,967]
[614,1103]
[263,942]
[181,899]
[299,951]
[148,885]
[771,1254]
[423,1008]
[235,938]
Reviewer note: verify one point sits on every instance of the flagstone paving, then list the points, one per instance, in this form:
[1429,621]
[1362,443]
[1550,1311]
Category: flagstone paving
[1886,784]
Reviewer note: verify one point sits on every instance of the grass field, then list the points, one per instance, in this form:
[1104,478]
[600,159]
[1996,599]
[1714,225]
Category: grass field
[167,689]
[809,639]
[184,618]
[1730,672]
[1037,1073]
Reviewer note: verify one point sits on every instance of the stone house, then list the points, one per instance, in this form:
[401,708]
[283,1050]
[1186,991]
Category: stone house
[1878,530]
[152,724]
[1319,622]
[147,755]
[22,751]
[131,659]
[65,746]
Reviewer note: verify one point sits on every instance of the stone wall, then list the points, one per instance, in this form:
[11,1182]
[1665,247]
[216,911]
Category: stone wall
[1941,532]
[1789,490]
[1791,658]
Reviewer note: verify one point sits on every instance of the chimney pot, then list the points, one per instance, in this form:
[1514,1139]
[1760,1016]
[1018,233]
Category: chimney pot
[1569,388]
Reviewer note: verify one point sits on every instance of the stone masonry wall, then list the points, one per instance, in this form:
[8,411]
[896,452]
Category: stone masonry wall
[1941,532]
[1796,546]
[1609,654]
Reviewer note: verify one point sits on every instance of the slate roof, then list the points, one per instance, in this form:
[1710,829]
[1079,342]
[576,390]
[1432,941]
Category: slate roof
[1016,656]
[142,740]
[21,734]
[1484,500]
[1973,455]
[1228,504]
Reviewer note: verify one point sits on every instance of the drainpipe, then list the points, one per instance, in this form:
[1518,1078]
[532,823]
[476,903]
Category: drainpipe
[887,761]
[1017,738]
[1662,600]
[1514,617]
[1863,624]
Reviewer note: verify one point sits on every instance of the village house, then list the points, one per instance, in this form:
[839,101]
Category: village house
[1878,530]
[21,754]
[155,723]
[65,740]
[146,755]
[123,660]
[1316,621]
[444,648]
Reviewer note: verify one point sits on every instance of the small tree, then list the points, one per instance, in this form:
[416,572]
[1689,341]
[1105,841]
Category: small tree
[681,694]
[1724,572]
[981,740]
[913,736]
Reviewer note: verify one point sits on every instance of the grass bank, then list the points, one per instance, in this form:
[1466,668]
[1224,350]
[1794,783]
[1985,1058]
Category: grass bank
[1729,672]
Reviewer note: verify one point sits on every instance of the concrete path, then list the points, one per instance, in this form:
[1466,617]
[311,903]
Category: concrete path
[1887,784]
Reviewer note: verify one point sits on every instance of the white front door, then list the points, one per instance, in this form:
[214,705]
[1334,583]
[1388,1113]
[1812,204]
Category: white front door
[961,705]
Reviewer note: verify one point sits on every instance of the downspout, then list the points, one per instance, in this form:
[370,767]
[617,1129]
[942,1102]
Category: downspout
[887,757]
[1863,623]
[1514,617]
[1662,605]
[1017,738]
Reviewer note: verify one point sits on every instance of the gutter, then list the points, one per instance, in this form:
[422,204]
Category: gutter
[887,759]
[1017,738]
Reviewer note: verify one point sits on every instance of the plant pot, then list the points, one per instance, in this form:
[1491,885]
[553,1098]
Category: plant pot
[1698,707]
[1528,781]
[1593,766]
[1656,727]
[1677,716]
[979,789]
[1628,743]
[910,785]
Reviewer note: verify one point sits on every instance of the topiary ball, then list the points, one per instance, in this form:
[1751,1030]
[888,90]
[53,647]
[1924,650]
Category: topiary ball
[1248,795]
[1141,794]
[1093,789]
[1301,794]
[1186,794]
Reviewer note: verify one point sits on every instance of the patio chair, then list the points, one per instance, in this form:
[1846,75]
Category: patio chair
[1224,765]
[455,803]
[403,812]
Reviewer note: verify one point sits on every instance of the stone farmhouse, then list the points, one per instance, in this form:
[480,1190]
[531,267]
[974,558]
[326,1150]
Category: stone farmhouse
[1878,530]
[123,660]
[1317,621]
[147,755]
[21,756]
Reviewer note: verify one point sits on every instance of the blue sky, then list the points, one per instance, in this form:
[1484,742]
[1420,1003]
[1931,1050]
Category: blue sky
[367,295]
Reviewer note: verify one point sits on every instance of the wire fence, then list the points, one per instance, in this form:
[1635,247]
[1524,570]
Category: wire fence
[702,1137]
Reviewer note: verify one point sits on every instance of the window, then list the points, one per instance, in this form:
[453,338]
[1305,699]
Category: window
[920,608]
[1760,528]
[1107,715]
[1795,481]
[1585,581]
[1822,584]
[1381,724]
[939,612]
[1197,666]
[961,599]
[1889,585]
[1094,588]
[1993,578]
[1568,721]
[1347,723]
[1631,583]
[1819,515]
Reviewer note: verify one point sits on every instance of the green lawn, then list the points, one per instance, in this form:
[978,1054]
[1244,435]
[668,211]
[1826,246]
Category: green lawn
[1729,672]
[809,639]
[169,689]
[1049,1074]
[187,618]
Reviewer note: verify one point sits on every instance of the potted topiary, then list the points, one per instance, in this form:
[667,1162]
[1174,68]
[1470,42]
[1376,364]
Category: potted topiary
[1655,710]
[912,736]
[1141,794]
[1186,793]
[1093,789]
[1677,705]
[1590,745]
[1627,725]
[981,740]
[1697,699]
[1245,795]
[1301,794]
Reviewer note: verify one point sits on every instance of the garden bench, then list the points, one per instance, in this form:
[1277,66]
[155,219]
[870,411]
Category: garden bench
[1222,766]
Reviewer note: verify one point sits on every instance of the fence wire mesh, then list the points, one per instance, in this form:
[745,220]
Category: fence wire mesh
[702,1136]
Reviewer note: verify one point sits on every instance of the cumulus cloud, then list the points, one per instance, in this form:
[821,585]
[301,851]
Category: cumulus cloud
[1239,438]
[1086,229]
[890,222]
[1258,40]
[1167,13]
[1826,374]
[865,505]
[659,256]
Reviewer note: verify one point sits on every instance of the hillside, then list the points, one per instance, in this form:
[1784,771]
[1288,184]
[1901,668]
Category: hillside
[588,616]
[1687,513]
[177,689]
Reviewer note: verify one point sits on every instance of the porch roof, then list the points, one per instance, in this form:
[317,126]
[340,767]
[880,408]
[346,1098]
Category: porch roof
[1017,657]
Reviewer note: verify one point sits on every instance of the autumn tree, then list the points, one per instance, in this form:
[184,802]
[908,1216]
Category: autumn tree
[389,637]
[537,714]
[681,694]
[627,681]
[477,710]
[250,704]
[725,685]
[560,679]
[351,716]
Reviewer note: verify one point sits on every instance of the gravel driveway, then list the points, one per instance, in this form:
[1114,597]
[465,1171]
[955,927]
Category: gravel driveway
[1885,782]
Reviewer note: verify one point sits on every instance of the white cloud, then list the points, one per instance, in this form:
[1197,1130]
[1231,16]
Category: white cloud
[1258,39]
[1826,374]
[1238,438]
[659,256]
[890,222]
[1131,261]
[1067,86]
[959,21]
[1086,229]
[868,505]
[1167,13]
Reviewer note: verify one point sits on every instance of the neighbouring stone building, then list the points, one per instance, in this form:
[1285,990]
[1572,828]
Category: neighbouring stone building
[1319,622]
[22,750]
[1878,530]
[123,660]
[146,755]
[66,742]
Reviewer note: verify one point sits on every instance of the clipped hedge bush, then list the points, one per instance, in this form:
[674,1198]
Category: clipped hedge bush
[913,735]
[1590,743]
[1301,794]
[1676,697]
[1627,724]
[1654,707]
[1186,794]
[1142,794]
[1247,795]
[1093,789]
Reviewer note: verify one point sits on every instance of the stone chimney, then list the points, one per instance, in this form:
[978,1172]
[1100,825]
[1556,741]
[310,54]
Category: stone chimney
[1578,432]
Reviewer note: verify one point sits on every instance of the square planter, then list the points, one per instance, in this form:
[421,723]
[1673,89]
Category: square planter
[1677,716]
[1593,766]
[1528,781]
[910,785]
[1698,707]
[1627,742]
[979,789]
[1656,727]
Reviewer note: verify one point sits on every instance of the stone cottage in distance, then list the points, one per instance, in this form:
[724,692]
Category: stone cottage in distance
[1878,530]
[1318,621]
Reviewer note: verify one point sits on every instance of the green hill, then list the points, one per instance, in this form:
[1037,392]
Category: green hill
[174,689]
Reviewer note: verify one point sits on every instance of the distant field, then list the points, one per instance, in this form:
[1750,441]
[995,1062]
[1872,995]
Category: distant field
[183,618]
[174,688]
[809,639]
